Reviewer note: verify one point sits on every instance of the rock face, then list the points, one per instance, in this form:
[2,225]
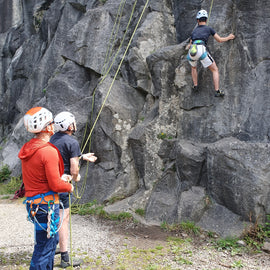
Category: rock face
[181,156]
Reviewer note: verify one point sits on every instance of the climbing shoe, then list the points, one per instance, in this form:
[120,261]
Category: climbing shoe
[75,262]
[219,93]
[195,88]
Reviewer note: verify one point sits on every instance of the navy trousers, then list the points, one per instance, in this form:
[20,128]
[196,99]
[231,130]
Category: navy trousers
[44,249]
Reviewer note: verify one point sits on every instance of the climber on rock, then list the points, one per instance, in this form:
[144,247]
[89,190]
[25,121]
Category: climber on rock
[198,51]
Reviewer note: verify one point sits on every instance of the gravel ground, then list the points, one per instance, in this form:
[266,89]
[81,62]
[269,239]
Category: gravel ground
[106,245]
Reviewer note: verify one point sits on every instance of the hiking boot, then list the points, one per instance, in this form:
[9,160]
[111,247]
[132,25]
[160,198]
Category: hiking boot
[75,262]
[195,88]
[219,93]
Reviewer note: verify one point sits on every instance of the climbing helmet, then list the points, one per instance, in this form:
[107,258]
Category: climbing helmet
[37,118]
[202,13]
[63,120]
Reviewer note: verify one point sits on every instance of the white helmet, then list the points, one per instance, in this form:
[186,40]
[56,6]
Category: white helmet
[202,13]
[63,120]
[36,119]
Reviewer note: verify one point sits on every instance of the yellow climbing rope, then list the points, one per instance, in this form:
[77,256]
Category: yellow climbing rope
[113,36]
[114,78]
[109,90]
[70,232]
[104,75]
[103,104]
[210,11]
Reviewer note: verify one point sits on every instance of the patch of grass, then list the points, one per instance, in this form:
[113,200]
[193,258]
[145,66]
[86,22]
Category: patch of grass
[256,234]
[152,267]
[140,212]
[237,264]
[90,208]
[120,217]
[182,260]
[266,227]
[188,227]
[176,240]
[115,199]
[152,258]
[95,209]
[229,244]
[211,234]
[10,187]
[5,197]
[16,259]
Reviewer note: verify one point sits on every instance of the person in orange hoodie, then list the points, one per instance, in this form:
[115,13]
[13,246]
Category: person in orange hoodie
[43,178]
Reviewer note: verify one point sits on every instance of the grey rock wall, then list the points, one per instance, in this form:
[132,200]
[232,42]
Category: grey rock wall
[177,154]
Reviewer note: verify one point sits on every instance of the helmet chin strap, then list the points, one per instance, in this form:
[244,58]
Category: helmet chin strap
[48,129]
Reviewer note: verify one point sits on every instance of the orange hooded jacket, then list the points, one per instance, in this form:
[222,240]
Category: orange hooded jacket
[42,167]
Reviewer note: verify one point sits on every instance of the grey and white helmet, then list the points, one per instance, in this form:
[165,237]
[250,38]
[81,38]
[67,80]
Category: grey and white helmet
[201,14]
[63,120]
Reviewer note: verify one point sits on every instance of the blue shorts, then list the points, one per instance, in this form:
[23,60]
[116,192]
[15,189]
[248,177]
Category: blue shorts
[64,199]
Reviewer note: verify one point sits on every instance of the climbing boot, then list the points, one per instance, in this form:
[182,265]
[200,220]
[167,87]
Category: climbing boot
[75,262]
[219,93]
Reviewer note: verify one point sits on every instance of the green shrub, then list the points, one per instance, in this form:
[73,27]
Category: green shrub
[256,234]
[4,173]
[140,212]
[10,187]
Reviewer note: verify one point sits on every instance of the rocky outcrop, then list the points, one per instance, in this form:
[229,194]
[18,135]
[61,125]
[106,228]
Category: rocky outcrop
[177,154]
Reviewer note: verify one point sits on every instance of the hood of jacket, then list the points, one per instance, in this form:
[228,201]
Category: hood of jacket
[30,148]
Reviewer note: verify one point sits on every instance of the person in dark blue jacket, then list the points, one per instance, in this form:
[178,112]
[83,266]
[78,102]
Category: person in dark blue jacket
[198,51]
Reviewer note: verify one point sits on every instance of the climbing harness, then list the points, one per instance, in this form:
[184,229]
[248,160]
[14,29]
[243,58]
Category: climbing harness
[194,50]
[199,42]
[201,57]
[35,204]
